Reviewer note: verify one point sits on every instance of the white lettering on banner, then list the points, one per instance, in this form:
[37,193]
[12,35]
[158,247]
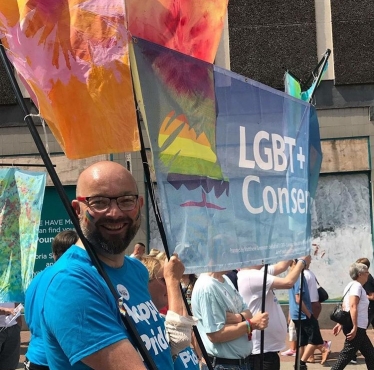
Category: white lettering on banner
[270,158]
[142,312]
[158,342]
[276,199]
[187,356]
[53,222]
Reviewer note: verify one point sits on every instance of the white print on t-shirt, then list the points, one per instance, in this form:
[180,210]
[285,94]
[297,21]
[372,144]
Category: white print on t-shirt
[187,356]
[158,342]
[143,312]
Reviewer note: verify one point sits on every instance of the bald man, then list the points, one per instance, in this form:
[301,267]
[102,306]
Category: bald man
[81,323]
[139,251]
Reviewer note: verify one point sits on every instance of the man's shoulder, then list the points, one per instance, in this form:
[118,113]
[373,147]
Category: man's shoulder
[204,283]
[134,265]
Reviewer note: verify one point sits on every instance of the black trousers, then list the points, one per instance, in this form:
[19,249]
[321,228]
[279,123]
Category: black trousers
[271,361]
[362,343]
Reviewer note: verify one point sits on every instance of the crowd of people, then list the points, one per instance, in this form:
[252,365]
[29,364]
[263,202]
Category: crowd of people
[74,308]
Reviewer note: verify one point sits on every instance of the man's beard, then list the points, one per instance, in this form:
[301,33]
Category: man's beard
[114,246]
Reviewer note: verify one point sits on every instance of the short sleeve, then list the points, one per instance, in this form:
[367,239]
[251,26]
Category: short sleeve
[81,314]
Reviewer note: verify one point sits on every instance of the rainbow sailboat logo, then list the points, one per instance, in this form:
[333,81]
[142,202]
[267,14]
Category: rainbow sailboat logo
[190,160]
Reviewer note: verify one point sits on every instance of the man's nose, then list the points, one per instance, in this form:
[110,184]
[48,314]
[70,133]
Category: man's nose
[113,207]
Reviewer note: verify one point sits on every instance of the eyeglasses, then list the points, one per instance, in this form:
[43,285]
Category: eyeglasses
[102,204]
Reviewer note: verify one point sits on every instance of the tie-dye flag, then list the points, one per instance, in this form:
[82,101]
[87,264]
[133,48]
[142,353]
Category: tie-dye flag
[234,167]
[193,27]
[21,200]
[73,57]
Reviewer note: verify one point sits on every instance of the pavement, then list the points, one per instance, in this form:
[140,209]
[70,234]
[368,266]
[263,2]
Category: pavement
[337,343]
[287,362]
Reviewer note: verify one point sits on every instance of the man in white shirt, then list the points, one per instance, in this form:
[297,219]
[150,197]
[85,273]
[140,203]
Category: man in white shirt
[250,285]
[10,338]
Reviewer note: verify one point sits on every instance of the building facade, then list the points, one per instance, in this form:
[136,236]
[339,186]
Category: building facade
[261,40]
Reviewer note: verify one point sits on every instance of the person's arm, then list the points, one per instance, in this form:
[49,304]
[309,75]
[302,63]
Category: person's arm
[336,329]
[118,356]
[177,321]
[281,266]
[289,281]
[353,303]
[173,271]
[304,309]
[233,331]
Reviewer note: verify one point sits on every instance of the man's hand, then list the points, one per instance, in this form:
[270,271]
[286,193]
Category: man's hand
[260,321]
[173,269]
[6,311]
[233,318]
[307,259]
[352,334]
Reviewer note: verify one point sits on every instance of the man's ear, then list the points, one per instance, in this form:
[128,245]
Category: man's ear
[76,206]
[141,201]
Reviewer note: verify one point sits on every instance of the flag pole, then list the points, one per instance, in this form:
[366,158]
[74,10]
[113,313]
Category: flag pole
[263,300]
[128,322]
[321,64]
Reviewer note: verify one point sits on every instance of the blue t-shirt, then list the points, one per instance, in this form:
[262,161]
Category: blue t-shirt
[294,307]
[35,351]
[186,359]
[80,315]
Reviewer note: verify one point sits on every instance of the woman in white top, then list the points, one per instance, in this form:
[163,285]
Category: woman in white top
[356,302]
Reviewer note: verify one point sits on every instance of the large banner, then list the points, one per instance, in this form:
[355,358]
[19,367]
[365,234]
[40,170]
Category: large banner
[236,162]
[21,200]
[54,219]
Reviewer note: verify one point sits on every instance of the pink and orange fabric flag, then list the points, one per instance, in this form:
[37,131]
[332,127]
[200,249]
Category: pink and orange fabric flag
[192,27]
[73,57]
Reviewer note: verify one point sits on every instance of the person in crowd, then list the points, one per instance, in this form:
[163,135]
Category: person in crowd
[35,355]
[10,337]
[310,334]
[89,331]
[233,276]
[188,281]
[139,250]
[312,282]
[369,289]
[225,322]
[356,302]
[186,357]
[292,339]
[250,285]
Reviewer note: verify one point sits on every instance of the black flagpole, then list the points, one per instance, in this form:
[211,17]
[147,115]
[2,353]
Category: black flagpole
[130,326]
[297,357]
[263,300]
